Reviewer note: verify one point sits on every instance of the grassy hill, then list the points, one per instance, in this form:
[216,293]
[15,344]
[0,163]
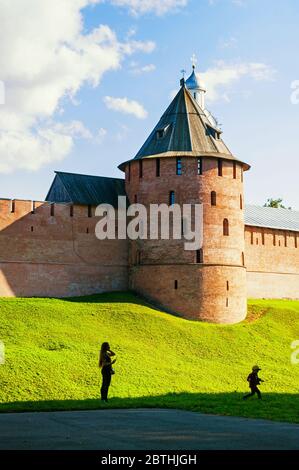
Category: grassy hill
[52,349]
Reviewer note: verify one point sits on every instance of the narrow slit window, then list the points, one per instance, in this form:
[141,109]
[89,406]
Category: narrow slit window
[135,199]
[157,166]
[220,167]
[199,256]
[52,210]
[213,198]
[234,170]
[72,211]
[89,210]
[199,166]
[178,166]
[12,206]
[171,198]
[241,202]
[225,227]
[243,259]
[176,284]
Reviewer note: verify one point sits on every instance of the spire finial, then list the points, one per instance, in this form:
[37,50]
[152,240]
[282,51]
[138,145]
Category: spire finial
[193,60]
[183,71]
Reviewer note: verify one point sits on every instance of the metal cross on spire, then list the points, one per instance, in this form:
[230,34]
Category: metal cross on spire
[183,71]
[193,60]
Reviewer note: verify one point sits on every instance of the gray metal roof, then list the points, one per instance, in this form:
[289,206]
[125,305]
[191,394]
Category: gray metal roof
[270,217]
[188,132]
[85,189]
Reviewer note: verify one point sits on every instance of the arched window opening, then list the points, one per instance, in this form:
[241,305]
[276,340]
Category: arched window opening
[225,228]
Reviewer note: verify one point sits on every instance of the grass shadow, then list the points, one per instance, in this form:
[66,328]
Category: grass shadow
[282,407]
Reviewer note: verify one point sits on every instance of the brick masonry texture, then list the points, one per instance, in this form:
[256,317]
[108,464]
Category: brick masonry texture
[48,252]
[58,255]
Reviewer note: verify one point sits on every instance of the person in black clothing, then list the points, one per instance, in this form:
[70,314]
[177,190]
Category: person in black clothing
[105,363]
[254,381]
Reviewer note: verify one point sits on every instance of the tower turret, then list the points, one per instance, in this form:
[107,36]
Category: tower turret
[184,160]
[196,86]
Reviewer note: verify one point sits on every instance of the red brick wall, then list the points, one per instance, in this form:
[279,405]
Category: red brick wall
[202,288]
[58,258]
[272,261]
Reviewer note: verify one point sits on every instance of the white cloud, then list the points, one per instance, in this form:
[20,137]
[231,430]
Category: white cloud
[159,7]
[45,58]
[101,134]
[222,75]
[126,106]
[229,43]
[74,128]
[145,69]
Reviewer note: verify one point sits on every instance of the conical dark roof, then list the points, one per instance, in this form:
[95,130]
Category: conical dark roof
[184,130]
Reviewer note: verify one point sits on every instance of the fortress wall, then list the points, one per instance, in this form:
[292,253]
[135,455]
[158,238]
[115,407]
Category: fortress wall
[44,253]
[272,262]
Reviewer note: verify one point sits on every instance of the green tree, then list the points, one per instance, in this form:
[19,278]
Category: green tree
[271,202]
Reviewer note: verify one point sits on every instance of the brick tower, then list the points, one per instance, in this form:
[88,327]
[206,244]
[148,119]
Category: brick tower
[184,160]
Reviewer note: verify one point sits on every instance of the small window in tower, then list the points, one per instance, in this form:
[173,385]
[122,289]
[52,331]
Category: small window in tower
[160,133]
[157,166]
[199,166]
[243,259]
[12,206]
[87,230]
[227,285]
[72,211]
[171,198]
[176,284]
[274,239]
[263,237]
[140,169]
[225,227]
[235,170]
[178,166]
[135,199]
[89,210]
[52,210]
[227,302]
[241,202]
[213,198]
[220,167]
[199,256]
[31,229]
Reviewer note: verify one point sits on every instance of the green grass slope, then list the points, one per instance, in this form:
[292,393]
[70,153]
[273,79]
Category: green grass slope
[52,346]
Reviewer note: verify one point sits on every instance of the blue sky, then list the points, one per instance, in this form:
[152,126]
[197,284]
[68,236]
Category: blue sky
[58,74]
